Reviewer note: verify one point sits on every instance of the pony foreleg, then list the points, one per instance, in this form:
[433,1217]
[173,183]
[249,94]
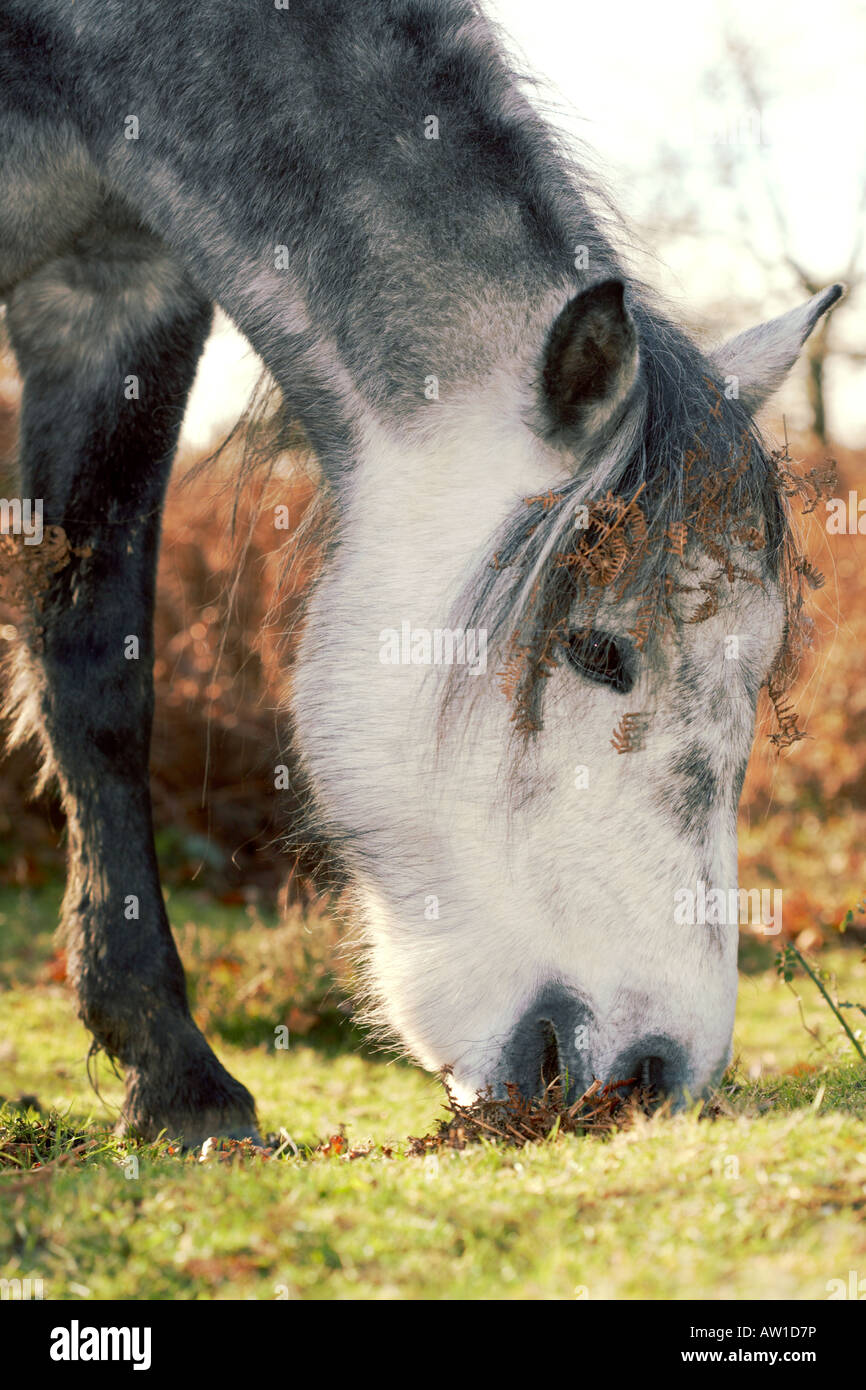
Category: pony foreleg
[107,338]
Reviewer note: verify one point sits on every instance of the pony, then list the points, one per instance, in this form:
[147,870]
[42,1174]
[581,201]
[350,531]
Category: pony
[513,697]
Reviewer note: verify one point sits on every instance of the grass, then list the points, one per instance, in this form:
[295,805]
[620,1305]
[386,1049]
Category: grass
[764,1201]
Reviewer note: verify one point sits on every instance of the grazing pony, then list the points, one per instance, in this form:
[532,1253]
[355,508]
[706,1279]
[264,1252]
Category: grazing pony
[514,697]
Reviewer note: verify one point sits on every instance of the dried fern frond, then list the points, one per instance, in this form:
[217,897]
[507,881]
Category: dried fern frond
[513,671]
[813,577]
[643,622]
[818,483]
[786,718]
[628,736]
[750,537]
[546,500]
[710,606]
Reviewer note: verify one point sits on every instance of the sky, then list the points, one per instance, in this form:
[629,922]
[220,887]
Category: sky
[629,80]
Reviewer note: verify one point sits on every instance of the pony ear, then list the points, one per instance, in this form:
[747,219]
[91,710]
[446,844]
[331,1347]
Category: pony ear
[762,357]
[591,357]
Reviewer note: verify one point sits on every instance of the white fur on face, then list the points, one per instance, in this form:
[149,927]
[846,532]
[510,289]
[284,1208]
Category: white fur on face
[477,888]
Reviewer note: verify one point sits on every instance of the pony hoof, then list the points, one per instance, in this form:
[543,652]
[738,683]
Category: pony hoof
[200,1100]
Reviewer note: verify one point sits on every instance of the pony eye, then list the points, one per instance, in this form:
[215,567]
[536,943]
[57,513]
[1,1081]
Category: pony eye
[601,658]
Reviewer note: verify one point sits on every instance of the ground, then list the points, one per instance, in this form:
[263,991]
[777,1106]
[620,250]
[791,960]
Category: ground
[764,1201]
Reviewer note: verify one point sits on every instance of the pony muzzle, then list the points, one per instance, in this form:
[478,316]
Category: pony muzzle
[552,1043]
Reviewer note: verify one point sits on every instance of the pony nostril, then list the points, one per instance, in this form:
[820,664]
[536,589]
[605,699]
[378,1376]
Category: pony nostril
[655,1065]
[650,1074]
[550,1068]
[548,1043]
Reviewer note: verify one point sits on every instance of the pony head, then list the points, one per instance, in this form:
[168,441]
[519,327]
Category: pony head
[526,697]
